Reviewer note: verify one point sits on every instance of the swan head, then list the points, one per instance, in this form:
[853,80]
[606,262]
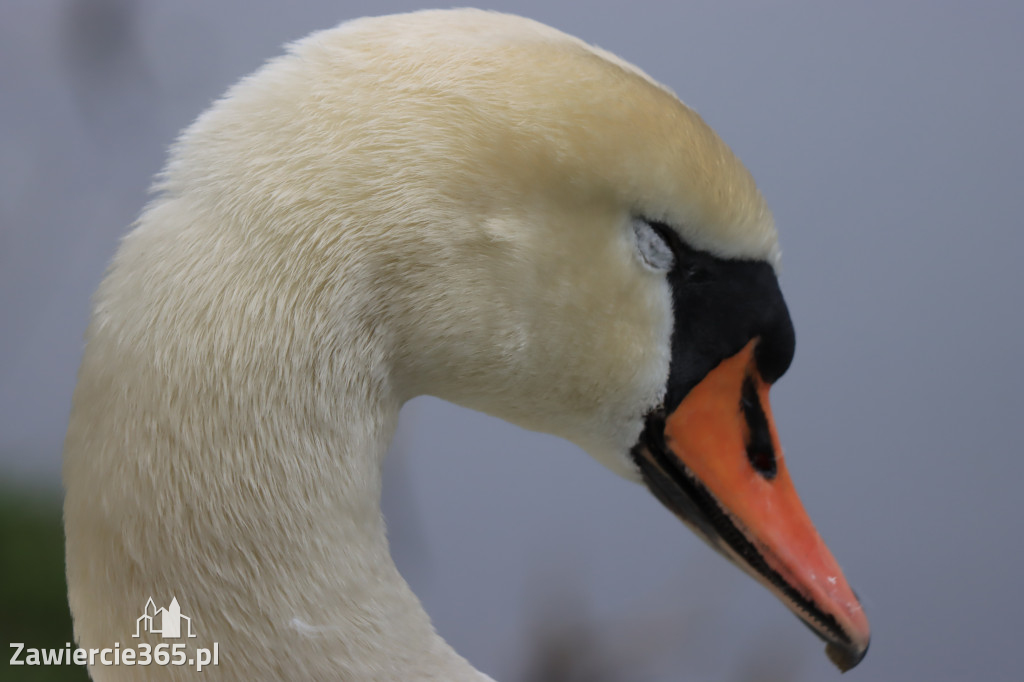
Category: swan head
[510,219]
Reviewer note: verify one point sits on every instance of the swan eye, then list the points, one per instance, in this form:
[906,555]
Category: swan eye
[653,245]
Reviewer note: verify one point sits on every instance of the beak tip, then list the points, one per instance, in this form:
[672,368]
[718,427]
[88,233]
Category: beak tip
[846,657]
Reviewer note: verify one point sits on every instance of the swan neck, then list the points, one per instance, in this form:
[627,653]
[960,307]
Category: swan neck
[249,491]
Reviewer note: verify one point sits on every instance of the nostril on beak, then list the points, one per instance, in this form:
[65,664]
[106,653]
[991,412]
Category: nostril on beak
[760,450]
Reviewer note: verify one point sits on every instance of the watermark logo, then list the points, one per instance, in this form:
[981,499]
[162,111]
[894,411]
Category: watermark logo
[168,622]
[164,622]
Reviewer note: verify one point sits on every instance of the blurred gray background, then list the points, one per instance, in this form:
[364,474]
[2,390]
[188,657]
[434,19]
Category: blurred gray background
[887,136]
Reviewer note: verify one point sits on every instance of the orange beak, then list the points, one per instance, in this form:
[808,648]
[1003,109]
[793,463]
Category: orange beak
[719,467]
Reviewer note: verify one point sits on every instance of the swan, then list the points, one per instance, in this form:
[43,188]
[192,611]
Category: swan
[458,203]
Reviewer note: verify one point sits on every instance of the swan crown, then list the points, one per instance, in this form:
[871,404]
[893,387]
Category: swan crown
[470,103]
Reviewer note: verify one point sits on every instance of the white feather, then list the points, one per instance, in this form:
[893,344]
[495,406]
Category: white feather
[427,203]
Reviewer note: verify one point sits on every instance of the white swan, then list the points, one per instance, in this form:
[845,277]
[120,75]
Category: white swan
[461,203]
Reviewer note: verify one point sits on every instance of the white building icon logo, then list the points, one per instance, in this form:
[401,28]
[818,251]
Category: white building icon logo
[163,622]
